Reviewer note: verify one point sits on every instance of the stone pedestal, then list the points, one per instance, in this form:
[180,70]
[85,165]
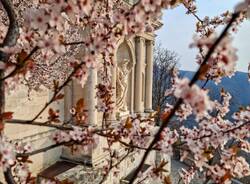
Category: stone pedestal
[89,95]
[121,115]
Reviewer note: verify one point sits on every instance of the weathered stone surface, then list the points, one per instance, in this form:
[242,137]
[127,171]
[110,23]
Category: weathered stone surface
[136,97]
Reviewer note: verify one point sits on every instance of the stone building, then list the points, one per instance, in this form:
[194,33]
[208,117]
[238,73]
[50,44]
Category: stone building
[132,82]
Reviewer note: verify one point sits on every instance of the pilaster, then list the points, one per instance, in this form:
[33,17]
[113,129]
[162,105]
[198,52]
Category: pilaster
[92,101]
[68,101]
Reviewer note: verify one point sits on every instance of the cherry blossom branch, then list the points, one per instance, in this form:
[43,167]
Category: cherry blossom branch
[74,43]
[115,165]
[142,180]
[41,150]
[179,146]
[44,124]
[224,132]
[35,49]
[56,92]
[18,67]
[9,177]
[179,102]
[131,145]
[97,131]
[212,49]
[193,13]
[205,83]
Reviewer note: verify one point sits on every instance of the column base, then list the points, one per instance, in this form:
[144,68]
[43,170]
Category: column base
[112,117]
[148,110]
[120,115]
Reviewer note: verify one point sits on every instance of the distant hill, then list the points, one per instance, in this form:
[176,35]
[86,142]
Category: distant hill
[238,86]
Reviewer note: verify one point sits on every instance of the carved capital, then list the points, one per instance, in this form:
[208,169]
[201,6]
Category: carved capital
[139,39]
[150,42]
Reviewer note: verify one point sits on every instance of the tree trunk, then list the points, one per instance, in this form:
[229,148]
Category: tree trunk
[2,96]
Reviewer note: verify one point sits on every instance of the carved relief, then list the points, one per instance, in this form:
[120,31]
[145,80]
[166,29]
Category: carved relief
[123,70]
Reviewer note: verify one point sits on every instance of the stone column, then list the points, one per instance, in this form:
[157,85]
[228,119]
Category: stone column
[149,75]
[92,101]
[139,49]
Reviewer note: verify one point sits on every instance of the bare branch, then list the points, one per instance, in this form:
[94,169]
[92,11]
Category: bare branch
[9,177]
[56,92]
[44,124]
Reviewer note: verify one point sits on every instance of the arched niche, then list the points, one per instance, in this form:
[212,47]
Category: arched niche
[125,61]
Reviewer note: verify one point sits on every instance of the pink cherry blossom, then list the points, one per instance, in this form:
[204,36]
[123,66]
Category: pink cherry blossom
[223,61]
[243,6]
[187,175]
[22,172]
[7,154]
[168,138]
[194,96]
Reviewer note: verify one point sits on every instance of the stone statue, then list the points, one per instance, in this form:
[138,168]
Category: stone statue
[123,69]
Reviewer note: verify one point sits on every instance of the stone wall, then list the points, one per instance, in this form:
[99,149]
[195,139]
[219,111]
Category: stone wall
[26,108]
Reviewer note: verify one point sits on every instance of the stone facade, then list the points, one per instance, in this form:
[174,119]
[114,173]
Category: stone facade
[132,82]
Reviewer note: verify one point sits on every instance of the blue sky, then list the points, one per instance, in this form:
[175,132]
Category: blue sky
[178,30]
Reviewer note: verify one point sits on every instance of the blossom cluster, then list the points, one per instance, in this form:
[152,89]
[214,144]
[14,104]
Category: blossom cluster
[82,137]
[21,147]
[243,6]
[187,175]
[105,98]
[212,134]
[196,97]
[46,181]
[223,107]
[7,153]
[22,172]
[157,173]
[208,25]
[168,138]
[190,5]
[223,60]
[138,130]
[229,167]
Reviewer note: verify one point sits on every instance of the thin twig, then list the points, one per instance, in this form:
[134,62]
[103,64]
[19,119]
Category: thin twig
[41,150]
